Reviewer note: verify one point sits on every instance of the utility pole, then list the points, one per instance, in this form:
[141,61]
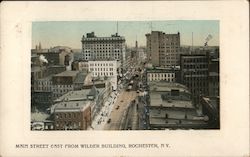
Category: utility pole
[192,42]
[116,27]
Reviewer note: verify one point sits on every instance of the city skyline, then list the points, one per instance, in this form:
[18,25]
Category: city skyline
[69,33]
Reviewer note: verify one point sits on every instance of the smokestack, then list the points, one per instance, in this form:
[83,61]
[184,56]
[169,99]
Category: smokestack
[209,37]
[42,60]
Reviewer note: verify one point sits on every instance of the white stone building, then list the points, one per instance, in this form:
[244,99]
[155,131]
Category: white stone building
[161,74]
[104,48]
[104,68]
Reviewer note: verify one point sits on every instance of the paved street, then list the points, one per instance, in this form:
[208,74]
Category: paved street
[118,113]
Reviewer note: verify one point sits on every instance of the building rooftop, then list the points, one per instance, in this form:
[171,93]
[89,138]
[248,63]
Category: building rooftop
[39,117]
[161,86]
[160,32]
[173,113]
[56,66]
[103,59]
[71,106]
[160,70]
[175,117]
[67,73]
[37,68]
[46,78]
[156,101]
[80,77]
[112,38]
[77,95]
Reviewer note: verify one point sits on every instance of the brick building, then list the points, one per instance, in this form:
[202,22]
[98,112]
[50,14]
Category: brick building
[163,49]
[72,115]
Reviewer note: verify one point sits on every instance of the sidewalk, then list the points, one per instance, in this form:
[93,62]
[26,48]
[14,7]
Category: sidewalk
[100,120]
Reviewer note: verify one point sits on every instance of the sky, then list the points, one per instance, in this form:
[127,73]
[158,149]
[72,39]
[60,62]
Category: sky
[69,33]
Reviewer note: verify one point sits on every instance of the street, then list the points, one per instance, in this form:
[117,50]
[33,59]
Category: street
[118,113]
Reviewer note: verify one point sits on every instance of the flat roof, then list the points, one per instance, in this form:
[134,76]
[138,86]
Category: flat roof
[95,38]
[76,95]
[173,113]
[45,78]
[174,123]
[37,68]
[67,73]
[158,117]
[103,59]
[71,106]
[157,101]
[167,86]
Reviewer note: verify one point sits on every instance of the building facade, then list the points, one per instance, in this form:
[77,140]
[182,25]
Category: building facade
[163,49]
[63,83]
[167,75]
[214,78]
[103,47]
[59,55]
[91,98]
[104,69]
[72,115]
[194,74]
[80,65]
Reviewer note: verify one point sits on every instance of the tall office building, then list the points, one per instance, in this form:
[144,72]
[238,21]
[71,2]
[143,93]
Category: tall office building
[103,47]
[163,49]
[194,74]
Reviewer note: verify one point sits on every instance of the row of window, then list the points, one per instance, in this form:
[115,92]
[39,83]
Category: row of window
[168,47]
[167,54]
[44,83]
[102,51]
[67,115]
[101,64]
[162,51]
[69,124]
[201,59]
[168,62]
[64,86]
[193,66]
[105,47]
[161,75]
[101,69]
[164,58]
[61,90]
[103,57]
[196,83]
[103,74]
[102,54]
[165,79]
[103,41]
[42,87]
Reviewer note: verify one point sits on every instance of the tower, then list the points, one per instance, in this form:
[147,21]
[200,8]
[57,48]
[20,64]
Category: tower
[40,46]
